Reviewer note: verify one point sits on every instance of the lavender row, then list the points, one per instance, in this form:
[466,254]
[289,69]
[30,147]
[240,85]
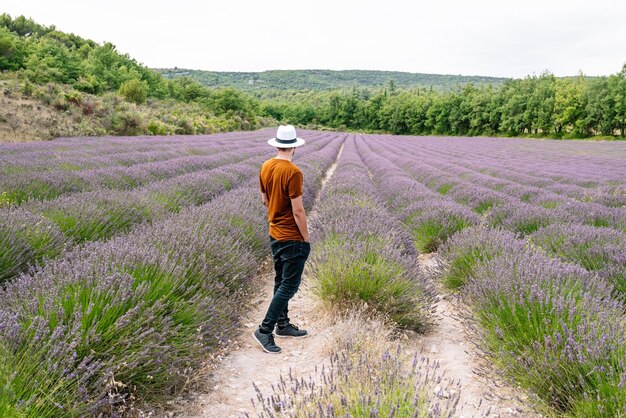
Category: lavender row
[600,250]
[364,380]
[542,163]
[360,253]
[86,147]
[524,212]
[430,217]
[134,315]
[111,153]
[130,315]
[51,184]
[41,230]
[514,169]
[433,219]
[85,153]
[554,327]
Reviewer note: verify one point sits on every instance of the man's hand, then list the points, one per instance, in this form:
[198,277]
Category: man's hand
[264,199]
[300,216]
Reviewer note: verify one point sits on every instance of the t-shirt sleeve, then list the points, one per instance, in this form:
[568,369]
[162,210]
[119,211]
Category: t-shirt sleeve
[294,186]
[261,183]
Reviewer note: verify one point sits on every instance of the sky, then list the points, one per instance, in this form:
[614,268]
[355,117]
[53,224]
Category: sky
[470,37]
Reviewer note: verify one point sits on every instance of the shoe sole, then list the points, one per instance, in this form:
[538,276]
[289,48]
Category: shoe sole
[291,336]
[261,344]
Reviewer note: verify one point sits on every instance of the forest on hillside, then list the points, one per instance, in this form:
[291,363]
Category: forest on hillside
[77,75]
[325,79]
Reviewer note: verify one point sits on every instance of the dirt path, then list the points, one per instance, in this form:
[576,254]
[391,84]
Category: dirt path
[449,341]
[231,385]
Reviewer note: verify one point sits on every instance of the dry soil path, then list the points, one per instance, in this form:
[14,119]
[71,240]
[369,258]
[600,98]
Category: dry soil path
[450,341]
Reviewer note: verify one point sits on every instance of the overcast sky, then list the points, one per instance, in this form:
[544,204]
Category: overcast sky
[469,37]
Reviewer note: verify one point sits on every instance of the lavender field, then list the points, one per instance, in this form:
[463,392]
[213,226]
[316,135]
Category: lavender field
[125,262]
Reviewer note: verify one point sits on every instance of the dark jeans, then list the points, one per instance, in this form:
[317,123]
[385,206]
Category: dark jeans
[289,259]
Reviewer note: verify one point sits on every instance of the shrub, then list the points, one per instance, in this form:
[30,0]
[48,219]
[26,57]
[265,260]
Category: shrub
[430,232]
[28,88]
[127,122]
[27,239]
[134,91]
[595,249]
[471,247]
[368,274]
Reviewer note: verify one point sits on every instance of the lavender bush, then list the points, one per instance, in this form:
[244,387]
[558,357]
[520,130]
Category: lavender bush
[554,328]
[364,382]
[361,254]
[27,239]
[472,247]
[595,249]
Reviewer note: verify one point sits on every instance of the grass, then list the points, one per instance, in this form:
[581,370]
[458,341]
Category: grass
[484,206]
[35,190]
[95,226]
[365,276]
[461,267]
[429,234]
[471,248]
[550,204]
[445,188]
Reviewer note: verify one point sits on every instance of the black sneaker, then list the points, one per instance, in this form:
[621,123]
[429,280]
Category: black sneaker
[290,331]
[266,341]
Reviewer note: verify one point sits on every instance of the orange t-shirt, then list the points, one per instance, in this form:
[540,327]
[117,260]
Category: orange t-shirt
[281,180]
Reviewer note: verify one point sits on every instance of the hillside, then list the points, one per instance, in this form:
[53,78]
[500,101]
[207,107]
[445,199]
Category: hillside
[325,79]
[59,84]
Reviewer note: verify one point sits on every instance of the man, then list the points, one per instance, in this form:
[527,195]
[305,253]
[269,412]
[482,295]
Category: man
[281,192]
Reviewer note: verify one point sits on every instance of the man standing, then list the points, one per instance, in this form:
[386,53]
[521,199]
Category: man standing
[281,192]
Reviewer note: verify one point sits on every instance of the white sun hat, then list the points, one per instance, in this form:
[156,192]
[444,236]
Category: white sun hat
[286,138]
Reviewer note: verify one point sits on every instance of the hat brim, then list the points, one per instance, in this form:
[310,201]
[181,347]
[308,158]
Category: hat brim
[299,142]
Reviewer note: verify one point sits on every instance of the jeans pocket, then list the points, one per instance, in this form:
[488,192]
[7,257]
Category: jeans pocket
[304,248]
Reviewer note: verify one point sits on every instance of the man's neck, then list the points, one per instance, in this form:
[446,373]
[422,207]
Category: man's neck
[284,156]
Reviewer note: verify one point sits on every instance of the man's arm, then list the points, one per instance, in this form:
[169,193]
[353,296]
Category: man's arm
[300,216]
[264,199]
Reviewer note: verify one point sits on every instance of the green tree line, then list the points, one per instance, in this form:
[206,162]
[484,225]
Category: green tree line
[542,106]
